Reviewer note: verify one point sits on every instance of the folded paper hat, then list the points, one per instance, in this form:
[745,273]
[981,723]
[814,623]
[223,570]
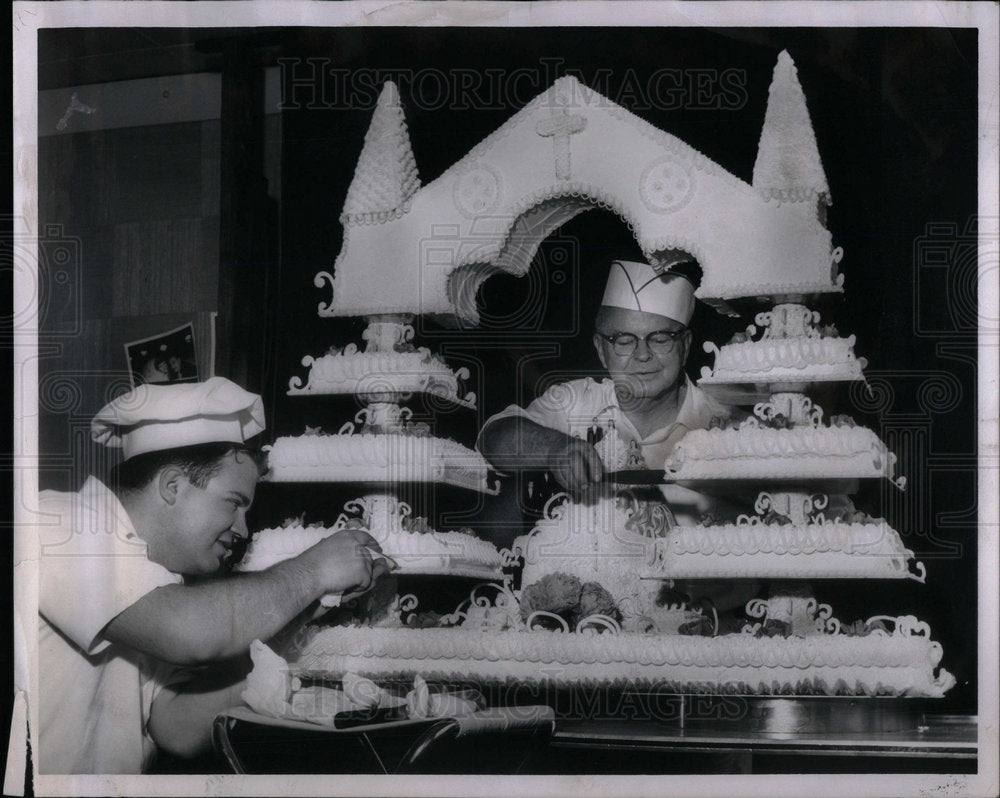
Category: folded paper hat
[152,418]
[639,286]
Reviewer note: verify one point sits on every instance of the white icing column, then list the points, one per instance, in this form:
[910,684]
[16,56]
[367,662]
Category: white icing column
[791,603]
[382,510]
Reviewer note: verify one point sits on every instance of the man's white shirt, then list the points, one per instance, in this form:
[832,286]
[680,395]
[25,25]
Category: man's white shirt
[94,696]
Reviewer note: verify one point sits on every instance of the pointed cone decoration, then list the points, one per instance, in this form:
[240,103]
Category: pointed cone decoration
[386,175]
[788,167]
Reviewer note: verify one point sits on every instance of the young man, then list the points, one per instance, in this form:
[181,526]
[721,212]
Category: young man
[118,620]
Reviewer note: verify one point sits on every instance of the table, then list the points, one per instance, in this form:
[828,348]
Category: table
[777,735]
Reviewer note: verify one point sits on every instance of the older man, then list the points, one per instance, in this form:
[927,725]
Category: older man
[128,588]
[642,340]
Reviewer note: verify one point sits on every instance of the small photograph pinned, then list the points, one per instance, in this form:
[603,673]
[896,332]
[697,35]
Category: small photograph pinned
[166,358]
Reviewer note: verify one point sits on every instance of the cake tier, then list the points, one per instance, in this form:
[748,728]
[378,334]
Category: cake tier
[792,348]
[453,553]
[379,458]
[782,551]
[803,452]
[381,373]
[606,542]
[876,664]
[788,360]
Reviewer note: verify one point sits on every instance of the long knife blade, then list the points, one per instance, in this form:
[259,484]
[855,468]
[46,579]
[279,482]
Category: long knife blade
[636,476]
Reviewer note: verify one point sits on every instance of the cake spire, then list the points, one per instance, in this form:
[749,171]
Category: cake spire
[788,166]
[386,175]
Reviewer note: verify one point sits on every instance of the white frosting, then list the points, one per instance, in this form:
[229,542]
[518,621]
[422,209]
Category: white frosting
[369,457]
[782,551]
[791,348]
[353,372]
[568,150]
[756,452]
[788,165]
[897,664]
[415,552]
[794,359]
[595,543]
[386,174]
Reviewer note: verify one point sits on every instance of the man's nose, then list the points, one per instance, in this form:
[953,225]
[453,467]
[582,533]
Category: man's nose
[642,350]
[239,526]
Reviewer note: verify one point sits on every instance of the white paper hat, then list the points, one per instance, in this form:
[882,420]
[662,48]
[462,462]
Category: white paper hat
[152,417]
[639,286]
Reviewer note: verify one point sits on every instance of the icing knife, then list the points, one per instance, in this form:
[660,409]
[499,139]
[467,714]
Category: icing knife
[636,476]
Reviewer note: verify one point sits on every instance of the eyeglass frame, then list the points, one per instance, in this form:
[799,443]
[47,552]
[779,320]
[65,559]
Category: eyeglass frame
[674,336]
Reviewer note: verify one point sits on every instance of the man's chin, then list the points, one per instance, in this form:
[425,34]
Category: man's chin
[633,388]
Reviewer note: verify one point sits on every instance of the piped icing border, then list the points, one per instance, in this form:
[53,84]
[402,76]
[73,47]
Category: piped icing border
[377,373]
[376,457]
[426,551]
[792,346]
[901,663]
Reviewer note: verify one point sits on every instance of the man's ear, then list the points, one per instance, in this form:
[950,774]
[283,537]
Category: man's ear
[169,483]
[598,345]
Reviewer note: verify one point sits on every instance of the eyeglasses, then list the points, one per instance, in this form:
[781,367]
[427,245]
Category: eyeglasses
[661,342]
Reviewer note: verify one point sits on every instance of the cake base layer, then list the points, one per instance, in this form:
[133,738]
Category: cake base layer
[875,664]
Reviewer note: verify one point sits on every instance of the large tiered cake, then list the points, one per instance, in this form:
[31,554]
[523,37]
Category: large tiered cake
[587,611]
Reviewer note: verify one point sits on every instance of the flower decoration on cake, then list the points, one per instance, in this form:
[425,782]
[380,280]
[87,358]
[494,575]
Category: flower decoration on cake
[566,596]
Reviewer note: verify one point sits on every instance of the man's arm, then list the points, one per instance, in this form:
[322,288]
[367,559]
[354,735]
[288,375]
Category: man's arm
[514,443]
[218,619]
[180,720]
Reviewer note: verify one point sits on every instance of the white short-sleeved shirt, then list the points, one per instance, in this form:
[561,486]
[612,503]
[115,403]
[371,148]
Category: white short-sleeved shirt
[571,407]
[94,696]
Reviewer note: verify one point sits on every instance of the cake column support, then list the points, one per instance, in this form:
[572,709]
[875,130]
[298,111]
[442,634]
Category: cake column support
[791,603]
[382,511]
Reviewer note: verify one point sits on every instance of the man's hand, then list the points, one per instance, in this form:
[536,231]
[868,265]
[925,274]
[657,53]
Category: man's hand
[347,562]
[574,463]
[514,444]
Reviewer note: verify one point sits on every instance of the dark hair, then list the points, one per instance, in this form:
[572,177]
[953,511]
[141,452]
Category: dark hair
[688,269]
[199,463]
